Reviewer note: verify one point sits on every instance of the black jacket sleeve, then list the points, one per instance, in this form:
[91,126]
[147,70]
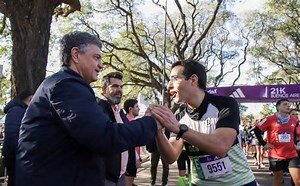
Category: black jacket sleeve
[85,121]
[12,127]
[258,133]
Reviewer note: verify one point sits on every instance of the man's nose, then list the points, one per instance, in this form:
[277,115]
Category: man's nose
[170,85]
[100,64]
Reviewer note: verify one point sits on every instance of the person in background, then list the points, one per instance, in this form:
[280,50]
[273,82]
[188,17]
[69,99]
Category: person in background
[184,168]
[248,138]
[14,110]
[281,137]
[295,113]
[155,157]
[110,99]
[132,110]
[258,149]
[242,135]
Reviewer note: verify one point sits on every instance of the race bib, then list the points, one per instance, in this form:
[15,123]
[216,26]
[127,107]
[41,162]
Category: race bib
[212,166]
[284,137]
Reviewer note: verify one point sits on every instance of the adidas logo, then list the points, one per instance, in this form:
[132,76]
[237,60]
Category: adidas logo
[237,94]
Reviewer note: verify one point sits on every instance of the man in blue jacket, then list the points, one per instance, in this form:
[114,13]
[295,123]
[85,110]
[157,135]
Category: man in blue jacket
[14,111]
[65,132]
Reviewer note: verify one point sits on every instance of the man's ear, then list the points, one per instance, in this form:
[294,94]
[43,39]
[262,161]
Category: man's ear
[104,87]
[74,54]
[195,79]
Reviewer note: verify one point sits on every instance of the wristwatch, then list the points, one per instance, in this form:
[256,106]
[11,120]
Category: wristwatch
[182,129]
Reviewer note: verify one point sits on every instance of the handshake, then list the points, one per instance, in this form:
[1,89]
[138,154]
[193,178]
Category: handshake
[164,117]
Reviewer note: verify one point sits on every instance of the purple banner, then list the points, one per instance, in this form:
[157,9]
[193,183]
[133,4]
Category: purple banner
[259,93]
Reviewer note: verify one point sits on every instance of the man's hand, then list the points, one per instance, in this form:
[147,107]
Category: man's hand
[268,146]
[148,113]
[165,117]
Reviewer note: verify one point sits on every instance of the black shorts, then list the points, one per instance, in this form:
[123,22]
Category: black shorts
[282,165]
[181,161]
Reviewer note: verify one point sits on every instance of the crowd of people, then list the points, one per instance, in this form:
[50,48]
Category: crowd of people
[250,143]
[64,135]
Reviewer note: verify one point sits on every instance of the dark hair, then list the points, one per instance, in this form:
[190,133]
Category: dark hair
[193,67]
[280,101]
[129,103]
[106,78]
[25,94]
[76,39]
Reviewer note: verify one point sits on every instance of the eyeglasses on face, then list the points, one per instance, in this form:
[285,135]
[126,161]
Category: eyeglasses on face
[177,77]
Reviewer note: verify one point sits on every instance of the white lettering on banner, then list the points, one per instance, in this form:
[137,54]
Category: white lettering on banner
[278,92]
[279,95]
[212,91]
[265,94]
[238,93]
[295,95]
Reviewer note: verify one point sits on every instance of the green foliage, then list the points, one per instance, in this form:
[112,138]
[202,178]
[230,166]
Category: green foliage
[5,94]
[243,109]
[134,41]
[276,35]
[249,118]
[268,109]
[5,62]
[281,77]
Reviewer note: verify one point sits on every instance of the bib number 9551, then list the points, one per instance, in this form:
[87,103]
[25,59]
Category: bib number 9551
[212,166]
[215,167]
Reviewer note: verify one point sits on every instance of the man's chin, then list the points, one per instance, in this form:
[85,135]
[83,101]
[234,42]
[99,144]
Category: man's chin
[177,101]
[94,79]
[114,101]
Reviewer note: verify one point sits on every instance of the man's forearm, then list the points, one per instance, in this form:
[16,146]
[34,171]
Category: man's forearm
[217,143]
[169,151]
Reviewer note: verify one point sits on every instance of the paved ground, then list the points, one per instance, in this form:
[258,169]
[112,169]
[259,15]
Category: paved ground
[262,175]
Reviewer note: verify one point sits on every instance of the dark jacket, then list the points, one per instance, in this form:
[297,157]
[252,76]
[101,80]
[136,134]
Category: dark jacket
[64,132]
[112,163]
[14,111]
[151,147]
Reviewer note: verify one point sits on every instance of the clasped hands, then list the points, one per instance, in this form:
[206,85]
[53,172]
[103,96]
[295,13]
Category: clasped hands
[164,117]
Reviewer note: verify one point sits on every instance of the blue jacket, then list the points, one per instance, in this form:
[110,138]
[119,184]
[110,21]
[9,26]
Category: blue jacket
[65,132]
[14,111]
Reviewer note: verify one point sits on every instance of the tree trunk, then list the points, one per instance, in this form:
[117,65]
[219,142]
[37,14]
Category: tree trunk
[30,23]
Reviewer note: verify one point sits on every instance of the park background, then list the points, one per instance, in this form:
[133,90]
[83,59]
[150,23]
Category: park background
[241,42]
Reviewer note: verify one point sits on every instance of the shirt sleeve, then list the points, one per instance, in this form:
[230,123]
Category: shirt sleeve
[229,115]
[84,120]
[264,124]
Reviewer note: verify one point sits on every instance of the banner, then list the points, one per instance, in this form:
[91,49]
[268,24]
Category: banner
[259,93]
